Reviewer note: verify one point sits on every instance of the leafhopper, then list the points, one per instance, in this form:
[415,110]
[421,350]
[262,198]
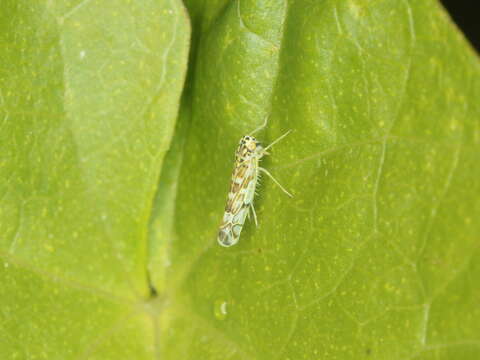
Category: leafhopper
[245,176]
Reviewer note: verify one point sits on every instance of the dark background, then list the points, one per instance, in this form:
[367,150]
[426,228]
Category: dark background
[465,13]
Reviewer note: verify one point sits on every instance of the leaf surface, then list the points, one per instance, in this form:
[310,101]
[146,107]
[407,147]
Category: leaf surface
[88,101]
[375,256]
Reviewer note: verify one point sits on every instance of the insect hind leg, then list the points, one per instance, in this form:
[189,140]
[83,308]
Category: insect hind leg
[254,214]
[275,181]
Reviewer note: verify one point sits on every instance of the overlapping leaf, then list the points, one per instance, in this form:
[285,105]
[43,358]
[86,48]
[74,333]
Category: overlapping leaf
[89,98]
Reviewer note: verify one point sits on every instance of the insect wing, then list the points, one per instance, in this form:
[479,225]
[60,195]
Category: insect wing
[241,194]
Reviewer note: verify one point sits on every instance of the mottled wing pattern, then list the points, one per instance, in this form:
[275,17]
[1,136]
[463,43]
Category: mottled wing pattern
[240,196]
[241,178]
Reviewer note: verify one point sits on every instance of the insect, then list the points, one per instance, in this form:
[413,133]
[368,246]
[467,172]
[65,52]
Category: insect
[245,177]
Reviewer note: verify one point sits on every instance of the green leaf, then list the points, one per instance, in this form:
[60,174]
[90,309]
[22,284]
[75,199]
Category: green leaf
[88,101]
[376,255]
[108,241]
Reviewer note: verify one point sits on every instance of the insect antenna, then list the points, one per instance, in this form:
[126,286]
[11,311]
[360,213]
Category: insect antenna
[261,126]
[277,140]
